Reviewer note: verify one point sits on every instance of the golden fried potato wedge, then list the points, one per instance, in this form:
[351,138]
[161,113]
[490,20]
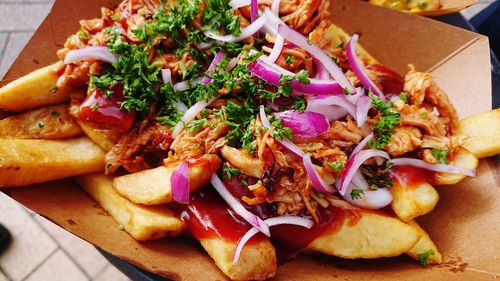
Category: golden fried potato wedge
[33,90]
[97,136]
[24,162]
[412,201]
[463,158]
[243,161]
[141,222]
[484,132]
[52,122]
[257,260]
[152,187]
[423,245]
[372,236]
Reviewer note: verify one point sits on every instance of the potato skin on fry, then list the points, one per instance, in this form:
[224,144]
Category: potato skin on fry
[52,122]
[423,245]
[257,260]
[373,236]
[463,158]
[152,187]
[412,201]
[24,162]
[33,90]
[141,222]
[484,132]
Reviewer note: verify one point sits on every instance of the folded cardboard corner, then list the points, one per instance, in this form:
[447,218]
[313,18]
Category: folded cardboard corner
[464,224]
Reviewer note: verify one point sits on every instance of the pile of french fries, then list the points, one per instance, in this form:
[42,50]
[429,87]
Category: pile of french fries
[41,141]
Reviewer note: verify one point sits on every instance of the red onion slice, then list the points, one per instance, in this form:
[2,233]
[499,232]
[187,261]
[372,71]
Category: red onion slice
[236,4]
[370,199]
[273,20]
[101,53]
[362,107]
[180,106]
[190,115]
[452,169]
[271,74]
[179,182]
[245,32]
[318,183]
[254,9]
[301,41]
[304,123]
[285,142]
[278,47]
[166,76]
[307,223]
[332,112]
[275,7]
[338,101]
[186,85]
[212,66]
[362,144]
[237,207]
[353,164]
[358,68]
[321,71]
[359,181]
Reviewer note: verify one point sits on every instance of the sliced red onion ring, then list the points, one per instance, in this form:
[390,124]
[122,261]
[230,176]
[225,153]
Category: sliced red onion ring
[254,9]
[273,20]
[278,47]
[338,101]
[362,107]
[190,115]
[236,4]
[166,76]
[307,223]
[304,123]
[361,144]
[358,68]
[271,222]
[321,71]
[301,41]
[275,7]
[212,66]
[318,183]
[359,181]
[353,164]
[370,199]
[452,169]
[232,64]
[332,112]
[186,85]
[101,53]
[354,98]
[285,142]
[204,45]
[237,207]
[266,72]
[179,181]
[245,32]
[180,106]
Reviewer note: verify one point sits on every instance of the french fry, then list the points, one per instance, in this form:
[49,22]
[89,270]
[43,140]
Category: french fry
[412,201]
[372,236]
[52,122]
[484,132]
[24,162]
[243,161]
[36,89]
[463,158]
[97,136]
[141,222]
[153,187]
[257,261]
[423,245]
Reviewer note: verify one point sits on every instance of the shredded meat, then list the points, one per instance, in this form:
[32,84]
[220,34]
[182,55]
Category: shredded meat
[403,140]
[420,87]
[140,149]
[430,122]
[303,15]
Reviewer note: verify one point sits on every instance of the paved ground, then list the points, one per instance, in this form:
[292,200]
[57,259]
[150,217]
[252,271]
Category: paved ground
[41,250]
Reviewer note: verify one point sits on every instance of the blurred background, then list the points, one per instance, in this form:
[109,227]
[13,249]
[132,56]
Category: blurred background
[41,250]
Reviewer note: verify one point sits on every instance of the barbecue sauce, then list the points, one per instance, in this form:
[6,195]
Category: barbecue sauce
[409,176]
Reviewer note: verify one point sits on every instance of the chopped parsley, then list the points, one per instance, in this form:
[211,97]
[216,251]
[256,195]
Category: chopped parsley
[384,127]
[54,112]
[53,90]
[357,193]
[337,166]
[94,107]
[290,59]
[280,131]
[41,125]
[423,114]
[196,125]
[441,154]
[403,97]
[424,257]
[229,172]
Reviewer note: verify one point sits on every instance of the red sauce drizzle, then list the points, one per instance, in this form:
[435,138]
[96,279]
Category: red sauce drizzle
[409,176]
[392,83]
[104,112]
